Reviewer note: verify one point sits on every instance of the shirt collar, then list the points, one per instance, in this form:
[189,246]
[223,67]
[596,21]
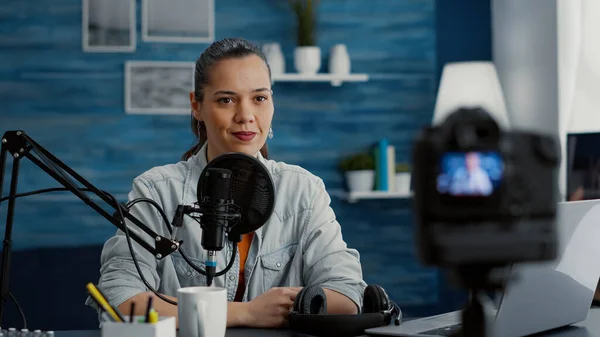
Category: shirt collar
[202,156]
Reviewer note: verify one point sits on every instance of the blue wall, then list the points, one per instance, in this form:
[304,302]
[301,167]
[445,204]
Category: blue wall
[463,31]
[72,103]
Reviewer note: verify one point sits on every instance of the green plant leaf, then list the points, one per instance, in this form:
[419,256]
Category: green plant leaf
[357,161]
[402,167]
[305,12]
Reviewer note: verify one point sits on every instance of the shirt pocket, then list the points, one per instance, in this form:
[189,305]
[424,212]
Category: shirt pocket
[276,267]
[186,274]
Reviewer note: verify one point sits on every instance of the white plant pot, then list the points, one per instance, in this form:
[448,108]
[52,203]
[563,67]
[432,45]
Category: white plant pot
[307,59]
[339,60]
[274,57]
[360,181]
[402,182]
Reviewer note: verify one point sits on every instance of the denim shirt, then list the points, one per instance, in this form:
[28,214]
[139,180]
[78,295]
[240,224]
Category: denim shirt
[301,244]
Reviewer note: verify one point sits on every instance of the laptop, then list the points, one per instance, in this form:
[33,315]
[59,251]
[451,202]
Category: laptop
[543,295]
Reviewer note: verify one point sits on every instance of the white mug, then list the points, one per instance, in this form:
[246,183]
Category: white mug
[202,311]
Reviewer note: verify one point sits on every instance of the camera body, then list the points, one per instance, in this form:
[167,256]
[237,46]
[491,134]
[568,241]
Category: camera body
[484,195]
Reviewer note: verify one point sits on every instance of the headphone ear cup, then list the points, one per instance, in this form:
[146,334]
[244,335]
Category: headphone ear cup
[311,300]
[298,302]
[310,316]
[375,299]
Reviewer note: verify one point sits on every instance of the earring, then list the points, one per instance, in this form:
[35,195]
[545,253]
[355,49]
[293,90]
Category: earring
[270,132]
[198,128]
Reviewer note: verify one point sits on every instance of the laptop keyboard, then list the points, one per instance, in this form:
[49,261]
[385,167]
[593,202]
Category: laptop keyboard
[451,330]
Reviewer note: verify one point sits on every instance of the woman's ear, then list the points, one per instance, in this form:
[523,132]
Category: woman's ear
[195,106]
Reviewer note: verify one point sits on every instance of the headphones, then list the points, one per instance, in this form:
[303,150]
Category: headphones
[309,313]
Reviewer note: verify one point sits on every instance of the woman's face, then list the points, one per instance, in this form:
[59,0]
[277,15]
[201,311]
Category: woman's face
[237,107]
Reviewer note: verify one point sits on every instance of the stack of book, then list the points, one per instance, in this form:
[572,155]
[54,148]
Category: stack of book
[385,166]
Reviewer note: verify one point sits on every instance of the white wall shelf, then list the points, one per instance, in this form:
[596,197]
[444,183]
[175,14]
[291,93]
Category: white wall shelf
[353,197]
[336,80]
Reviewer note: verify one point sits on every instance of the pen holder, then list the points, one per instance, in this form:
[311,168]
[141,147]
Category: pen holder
[165,327]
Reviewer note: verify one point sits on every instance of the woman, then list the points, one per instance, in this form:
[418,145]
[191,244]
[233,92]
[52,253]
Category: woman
[300,245]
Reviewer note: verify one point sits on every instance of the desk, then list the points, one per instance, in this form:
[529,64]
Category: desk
[588,328]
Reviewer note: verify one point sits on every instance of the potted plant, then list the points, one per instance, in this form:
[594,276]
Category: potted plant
[359,170]
[307,55]
[402,178]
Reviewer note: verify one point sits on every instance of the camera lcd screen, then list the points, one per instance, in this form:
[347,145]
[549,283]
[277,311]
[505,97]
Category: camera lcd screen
[470,174]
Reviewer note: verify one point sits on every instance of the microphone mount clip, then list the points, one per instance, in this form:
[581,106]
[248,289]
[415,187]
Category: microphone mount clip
[196,212]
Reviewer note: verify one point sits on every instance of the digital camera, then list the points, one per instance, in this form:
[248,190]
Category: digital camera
[484,195]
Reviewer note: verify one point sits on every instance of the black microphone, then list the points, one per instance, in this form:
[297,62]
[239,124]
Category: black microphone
[236,195]
[215,207]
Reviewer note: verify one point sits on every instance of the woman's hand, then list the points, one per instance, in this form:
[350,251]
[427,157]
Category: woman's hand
[271,309]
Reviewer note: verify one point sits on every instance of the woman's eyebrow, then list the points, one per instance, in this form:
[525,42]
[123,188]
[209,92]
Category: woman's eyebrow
[224,92]
[229,92]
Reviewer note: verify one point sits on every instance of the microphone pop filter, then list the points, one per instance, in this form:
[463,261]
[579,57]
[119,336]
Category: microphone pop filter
[251,189]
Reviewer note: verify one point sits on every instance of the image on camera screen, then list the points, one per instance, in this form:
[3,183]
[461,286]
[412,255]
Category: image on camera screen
[471,174]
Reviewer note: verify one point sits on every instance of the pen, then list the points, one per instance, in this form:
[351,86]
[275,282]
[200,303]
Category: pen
[98,303]
[117,311]
[131,313]
[153,317]
[148,308]
[102,302]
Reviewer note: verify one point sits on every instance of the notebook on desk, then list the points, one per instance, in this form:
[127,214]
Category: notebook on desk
[545,295]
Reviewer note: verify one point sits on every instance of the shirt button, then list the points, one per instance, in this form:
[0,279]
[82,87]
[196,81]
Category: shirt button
[278,264]
[231,277]
[189,273]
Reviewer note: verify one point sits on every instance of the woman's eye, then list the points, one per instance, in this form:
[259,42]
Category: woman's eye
[225,100]
[261,98]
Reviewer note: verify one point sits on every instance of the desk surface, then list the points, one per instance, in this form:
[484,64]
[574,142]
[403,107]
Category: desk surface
[589,328]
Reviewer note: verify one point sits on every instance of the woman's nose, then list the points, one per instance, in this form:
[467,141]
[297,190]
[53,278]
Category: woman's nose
[245,114]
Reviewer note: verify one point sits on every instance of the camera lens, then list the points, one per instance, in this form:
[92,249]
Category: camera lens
[483,133]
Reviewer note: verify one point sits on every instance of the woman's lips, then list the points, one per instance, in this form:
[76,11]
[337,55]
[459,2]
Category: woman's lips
[245,136]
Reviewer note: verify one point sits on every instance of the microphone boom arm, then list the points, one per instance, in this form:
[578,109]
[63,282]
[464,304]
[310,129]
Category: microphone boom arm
[20,146]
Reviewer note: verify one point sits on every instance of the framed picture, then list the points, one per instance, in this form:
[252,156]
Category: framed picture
[158,87]
[108,25]
[178,21]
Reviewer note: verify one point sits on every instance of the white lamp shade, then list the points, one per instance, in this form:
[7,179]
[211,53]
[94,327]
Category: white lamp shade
[469,85]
